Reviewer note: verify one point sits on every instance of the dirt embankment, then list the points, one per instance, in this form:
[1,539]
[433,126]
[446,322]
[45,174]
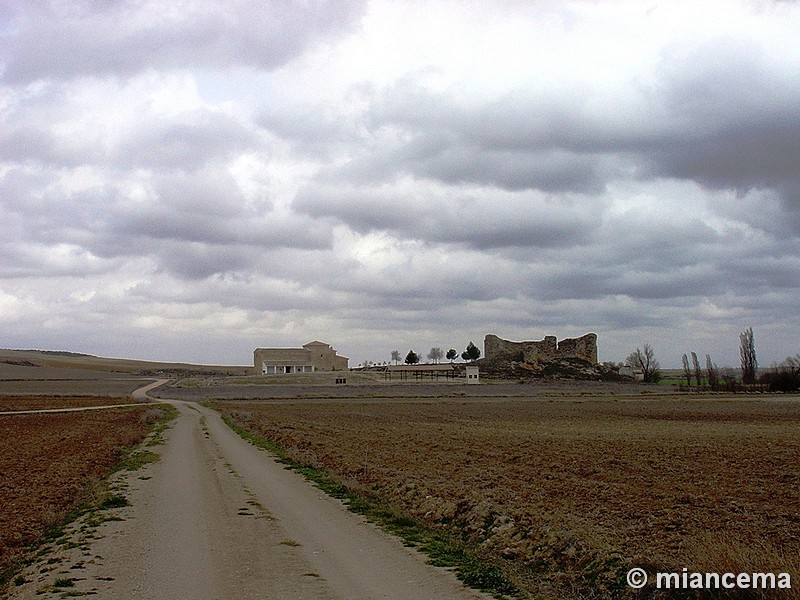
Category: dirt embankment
[568,495]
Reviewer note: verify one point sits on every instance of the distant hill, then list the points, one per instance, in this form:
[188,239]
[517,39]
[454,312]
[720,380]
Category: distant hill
[60,359]
[56,353]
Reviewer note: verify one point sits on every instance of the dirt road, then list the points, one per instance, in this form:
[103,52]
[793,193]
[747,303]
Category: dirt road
[216,518]
[141,394]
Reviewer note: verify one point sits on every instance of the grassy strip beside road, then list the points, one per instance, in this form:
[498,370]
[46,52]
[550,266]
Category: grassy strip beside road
[444,551]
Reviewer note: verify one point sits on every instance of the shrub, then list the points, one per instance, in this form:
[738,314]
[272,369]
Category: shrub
[781,381]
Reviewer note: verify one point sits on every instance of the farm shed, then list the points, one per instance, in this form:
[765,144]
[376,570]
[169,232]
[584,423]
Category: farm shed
[419,372]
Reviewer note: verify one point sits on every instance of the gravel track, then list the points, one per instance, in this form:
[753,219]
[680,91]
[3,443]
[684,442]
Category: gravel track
[217,518]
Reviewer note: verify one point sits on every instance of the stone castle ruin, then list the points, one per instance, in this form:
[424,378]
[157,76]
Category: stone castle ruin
[545,351]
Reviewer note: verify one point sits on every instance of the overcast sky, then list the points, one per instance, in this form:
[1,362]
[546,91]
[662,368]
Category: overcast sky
[188,180]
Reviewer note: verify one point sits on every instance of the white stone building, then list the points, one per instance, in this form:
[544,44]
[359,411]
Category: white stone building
[313,356]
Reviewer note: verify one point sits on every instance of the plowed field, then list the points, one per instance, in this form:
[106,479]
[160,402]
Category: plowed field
[568,495]
[13,403]
[48,462]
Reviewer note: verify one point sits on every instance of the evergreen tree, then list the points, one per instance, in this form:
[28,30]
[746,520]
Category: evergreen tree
[471,353]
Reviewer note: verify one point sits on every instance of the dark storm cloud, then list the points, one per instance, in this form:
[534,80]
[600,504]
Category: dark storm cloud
[454,163]
[599,278]
[148,225]
[407,287]
[723,113]
[643,256]
[57,40]
[40,131]
[265,294]
[29,137]
[196,260]
[186,142]
[646,258]
[643,241]
[736,115]
[194,224]
[23,141]
[476,223]
[514,144]
[316,131]
[760,273]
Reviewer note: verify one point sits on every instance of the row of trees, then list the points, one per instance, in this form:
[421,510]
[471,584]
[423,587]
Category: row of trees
[714,377]
[725,379]
[645,362]
[471,353]
[783,377]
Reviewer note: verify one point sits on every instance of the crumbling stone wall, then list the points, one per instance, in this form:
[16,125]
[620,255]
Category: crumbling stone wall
[549,349]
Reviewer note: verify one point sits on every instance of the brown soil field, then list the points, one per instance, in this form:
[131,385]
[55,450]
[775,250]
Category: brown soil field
[50,462]
[568,494]
[14,403]
[314,387]
[30,379]
[119,388]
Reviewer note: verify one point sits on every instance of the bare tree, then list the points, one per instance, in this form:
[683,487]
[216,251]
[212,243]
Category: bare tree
[395,356]
[687,372]
[698,372]
[435,355]
[646,362]
[747,350]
